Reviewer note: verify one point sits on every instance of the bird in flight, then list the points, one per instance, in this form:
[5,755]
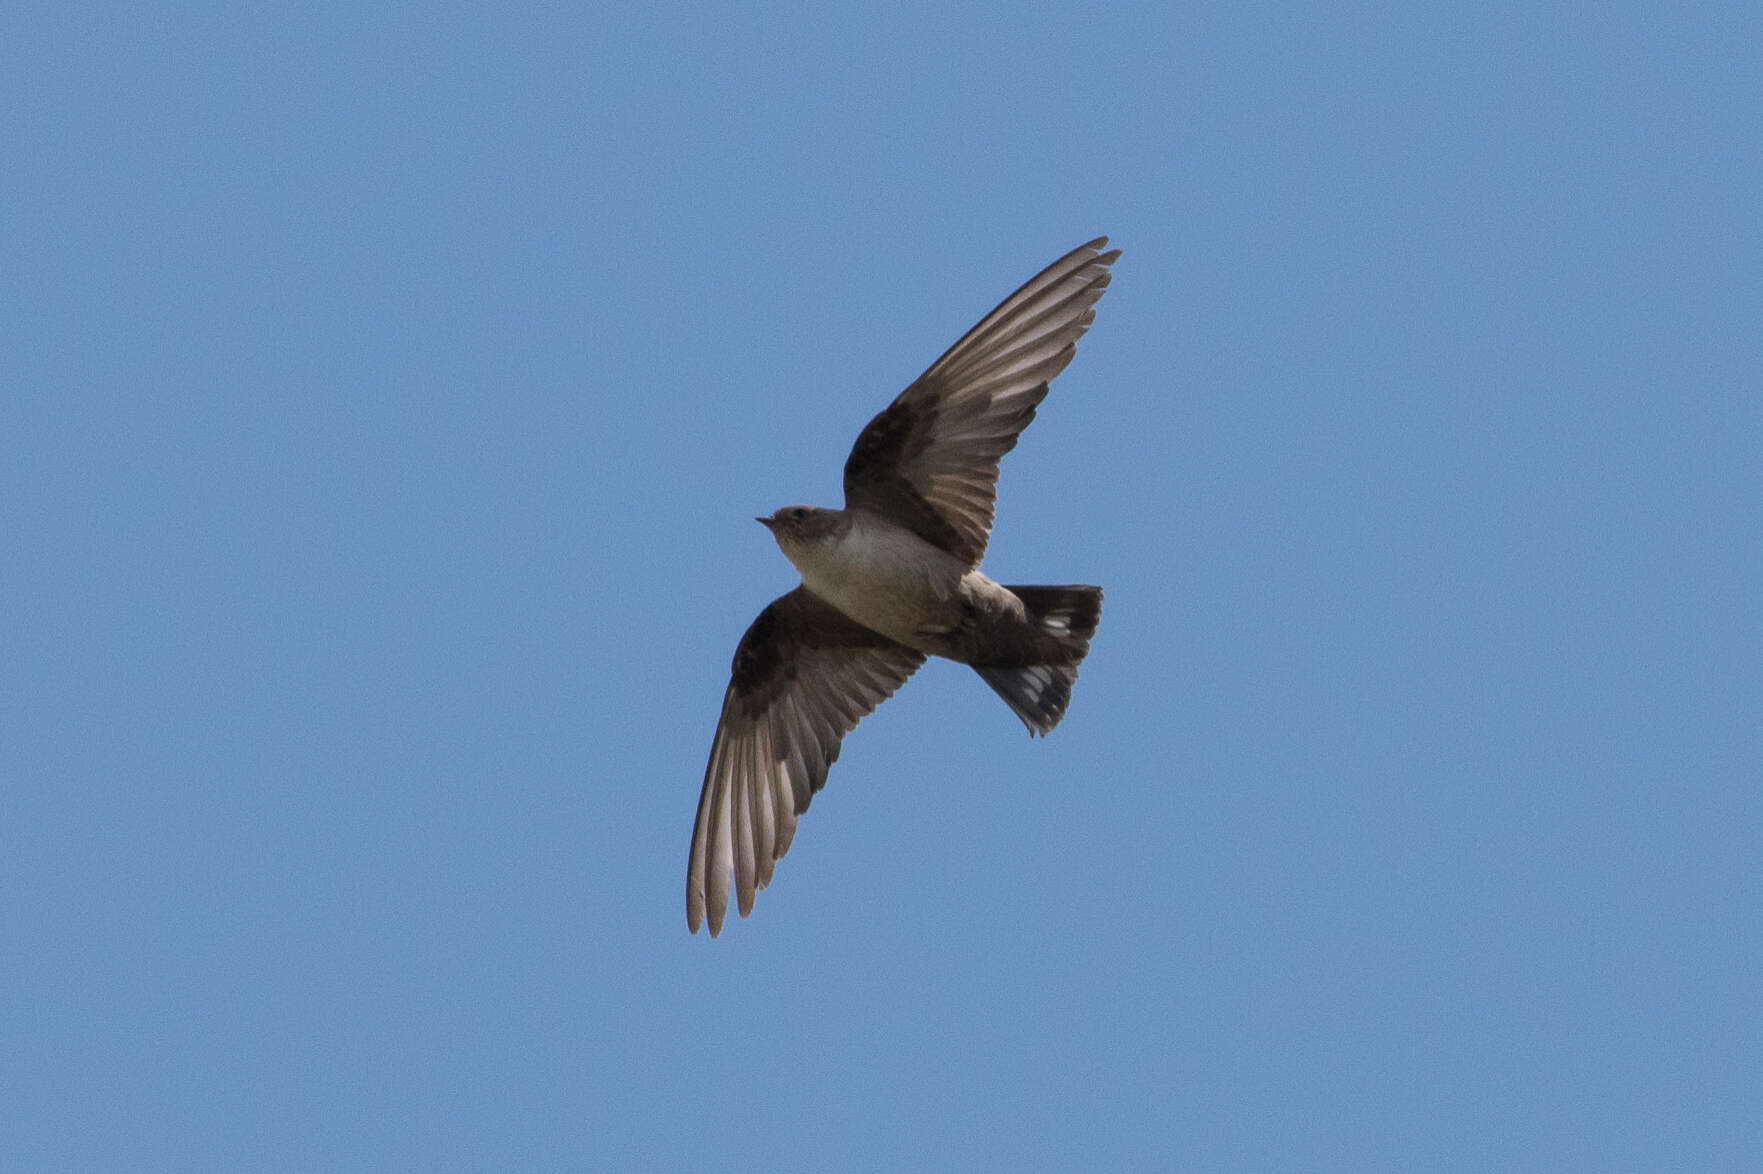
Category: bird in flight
[892,578]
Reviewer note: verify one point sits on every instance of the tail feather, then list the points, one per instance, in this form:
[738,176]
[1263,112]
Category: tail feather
[1063,619]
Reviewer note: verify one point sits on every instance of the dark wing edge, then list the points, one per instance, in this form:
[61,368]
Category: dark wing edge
[803,677]
[930,459]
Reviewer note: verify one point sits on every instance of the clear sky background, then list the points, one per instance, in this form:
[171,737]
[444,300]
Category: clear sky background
[385,400]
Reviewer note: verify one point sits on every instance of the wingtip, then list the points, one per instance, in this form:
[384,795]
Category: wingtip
[1099,246]
[701,908]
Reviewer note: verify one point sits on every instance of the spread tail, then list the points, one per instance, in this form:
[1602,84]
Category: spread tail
[1063,619]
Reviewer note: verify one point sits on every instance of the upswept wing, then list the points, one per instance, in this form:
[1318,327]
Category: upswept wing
[930,460]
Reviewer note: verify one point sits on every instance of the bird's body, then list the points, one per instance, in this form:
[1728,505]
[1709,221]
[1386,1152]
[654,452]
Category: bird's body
[886,577]
[892,578]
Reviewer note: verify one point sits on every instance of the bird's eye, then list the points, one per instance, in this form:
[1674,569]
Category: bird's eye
[797,514]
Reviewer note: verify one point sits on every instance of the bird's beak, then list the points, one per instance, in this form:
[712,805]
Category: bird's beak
[766,522]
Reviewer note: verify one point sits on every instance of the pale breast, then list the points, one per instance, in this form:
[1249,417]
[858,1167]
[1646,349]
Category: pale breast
[886,578]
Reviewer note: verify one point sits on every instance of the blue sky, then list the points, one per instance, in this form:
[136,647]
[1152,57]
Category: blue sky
[388,395]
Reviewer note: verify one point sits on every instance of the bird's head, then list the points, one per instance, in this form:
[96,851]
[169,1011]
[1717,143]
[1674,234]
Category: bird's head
[798,526]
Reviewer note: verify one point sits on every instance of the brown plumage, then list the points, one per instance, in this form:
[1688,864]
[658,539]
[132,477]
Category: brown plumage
[892,578]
